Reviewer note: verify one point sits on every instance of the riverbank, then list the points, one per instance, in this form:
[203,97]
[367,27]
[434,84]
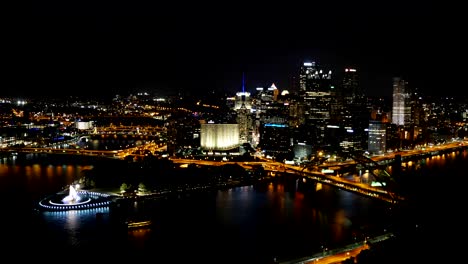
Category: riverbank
[339,255]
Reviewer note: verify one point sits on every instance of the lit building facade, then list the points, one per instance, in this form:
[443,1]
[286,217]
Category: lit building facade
[242,99]
[84,125]
[316,91]
[275,140]
[245,122]
[219,136]
[244,118]
[377,137]
[268,95]
[401,110]
[350,111]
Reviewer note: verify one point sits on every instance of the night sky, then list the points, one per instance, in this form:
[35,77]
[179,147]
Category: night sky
[76,48]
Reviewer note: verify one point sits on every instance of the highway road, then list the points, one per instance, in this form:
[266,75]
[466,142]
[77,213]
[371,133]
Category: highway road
[339,255]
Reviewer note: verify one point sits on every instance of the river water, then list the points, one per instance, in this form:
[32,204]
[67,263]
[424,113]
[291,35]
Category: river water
[249,224]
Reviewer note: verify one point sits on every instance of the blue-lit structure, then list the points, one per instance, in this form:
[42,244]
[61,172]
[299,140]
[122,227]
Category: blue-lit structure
[88,200]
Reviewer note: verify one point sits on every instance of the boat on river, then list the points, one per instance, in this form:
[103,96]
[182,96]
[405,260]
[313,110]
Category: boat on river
[134,224]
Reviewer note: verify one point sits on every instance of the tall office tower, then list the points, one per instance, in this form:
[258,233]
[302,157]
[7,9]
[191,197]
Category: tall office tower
[345,96]
[306,70]
[401,110]
[377,137]
[242,99]
[243,106]
[418,113]
[418,126]
[266,106]
[296,110]
[354,114]
[316,90]
[351,86]
[275,140]
[244,119]
[268,95]
[313,78]
[271,120]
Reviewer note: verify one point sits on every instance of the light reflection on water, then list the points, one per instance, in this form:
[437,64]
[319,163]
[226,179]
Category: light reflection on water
[245,217]
[282,218]
[72,223]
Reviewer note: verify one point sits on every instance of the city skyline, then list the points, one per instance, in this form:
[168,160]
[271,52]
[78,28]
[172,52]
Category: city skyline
[74,50]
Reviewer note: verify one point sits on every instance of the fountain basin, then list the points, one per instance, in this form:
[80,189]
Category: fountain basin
[86,200]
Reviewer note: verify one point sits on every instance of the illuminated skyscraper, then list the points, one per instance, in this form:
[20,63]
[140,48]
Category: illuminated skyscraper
[401,110]
[313,78]
[305,71]
[377,137]
[243,106]
[352,112]
[350,86]
[242,99]
[316,92]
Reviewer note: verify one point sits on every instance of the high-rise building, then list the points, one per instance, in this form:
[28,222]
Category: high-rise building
[242,99]
[350,85]
[275,140]
[306,70]
[377,137]
[243,107]
[268,95]
[313,78]
[316,91]
[350,110]
[244,119]
[401,110]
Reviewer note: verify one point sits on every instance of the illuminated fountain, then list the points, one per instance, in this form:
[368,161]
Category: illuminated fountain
[74,199]
[72,196]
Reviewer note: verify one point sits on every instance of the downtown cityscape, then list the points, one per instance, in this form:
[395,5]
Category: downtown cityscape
[143,150]
[298,132]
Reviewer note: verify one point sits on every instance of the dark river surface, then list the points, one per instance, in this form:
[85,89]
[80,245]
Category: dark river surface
[246,224]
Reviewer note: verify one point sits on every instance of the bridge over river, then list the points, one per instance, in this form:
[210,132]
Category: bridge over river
[376,165]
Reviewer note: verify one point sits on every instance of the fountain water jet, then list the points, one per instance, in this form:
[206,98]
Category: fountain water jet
[72,196]
[75,200]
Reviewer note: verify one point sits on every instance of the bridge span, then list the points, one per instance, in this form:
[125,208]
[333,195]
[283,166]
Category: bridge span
[278,168]
[375,164]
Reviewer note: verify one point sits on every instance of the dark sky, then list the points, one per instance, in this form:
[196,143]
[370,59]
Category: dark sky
[69,47]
